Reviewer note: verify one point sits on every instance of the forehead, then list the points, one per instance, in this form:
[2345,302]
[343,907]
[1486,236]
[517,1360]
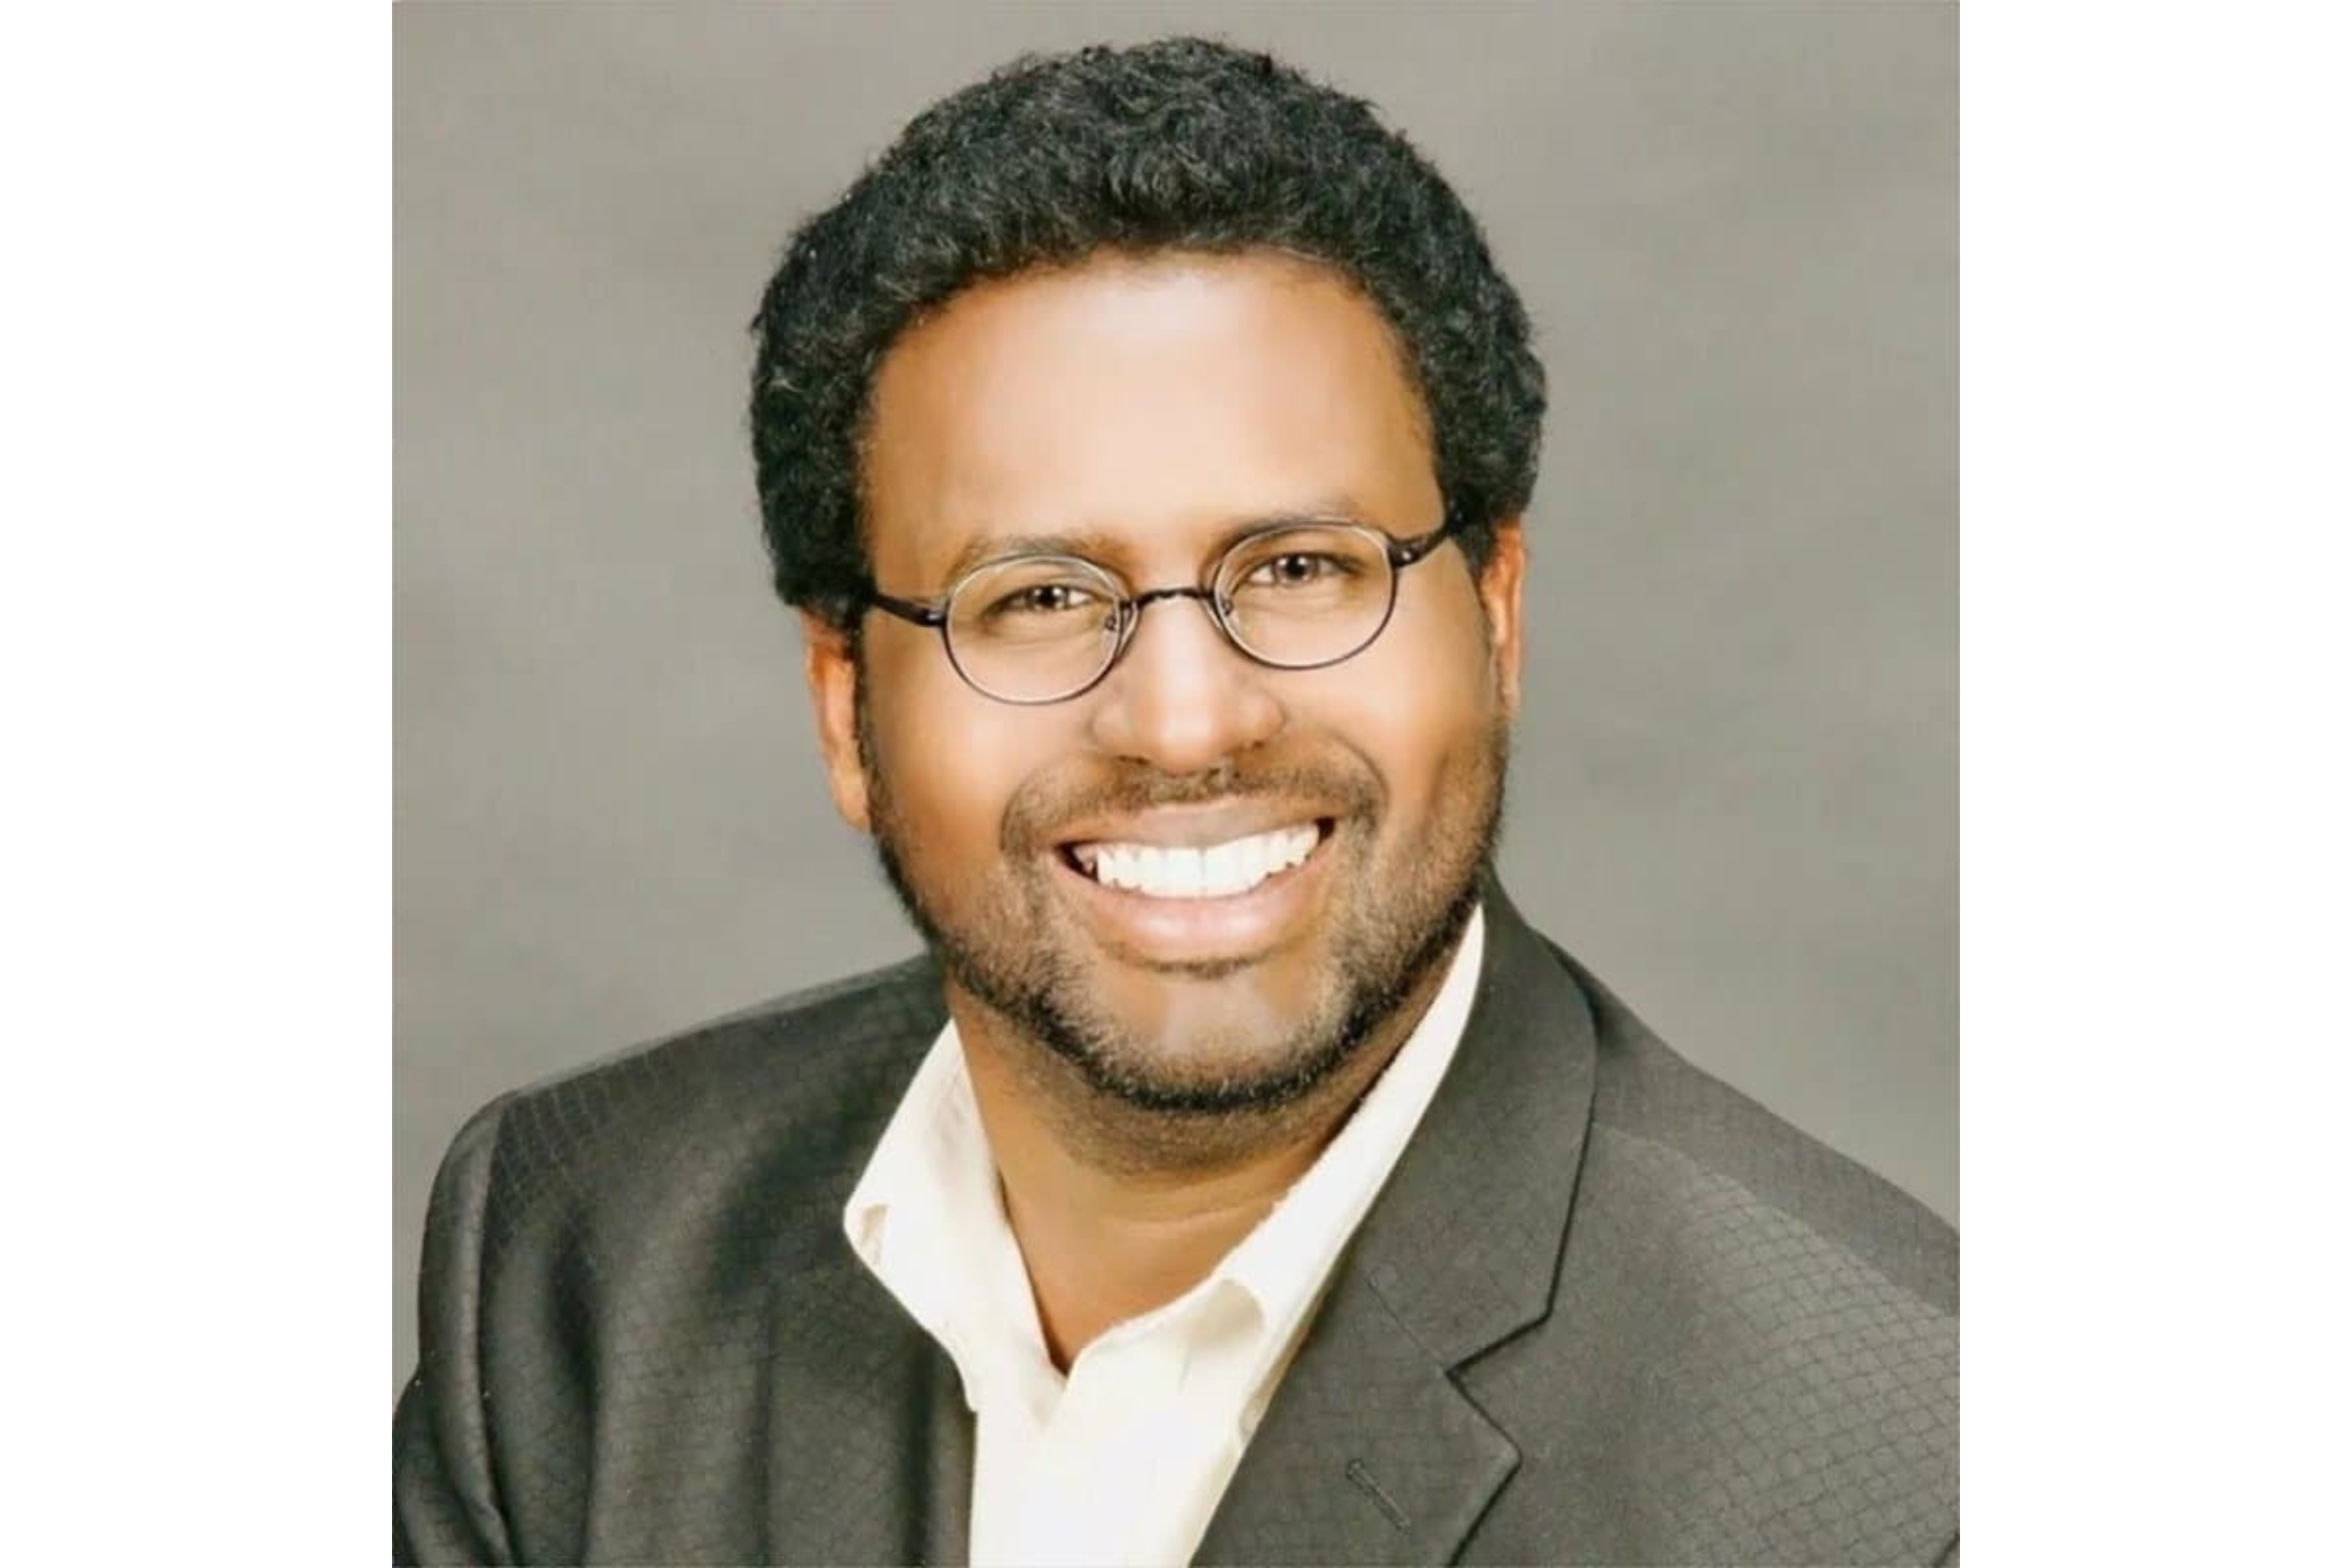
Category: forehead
[1144,405]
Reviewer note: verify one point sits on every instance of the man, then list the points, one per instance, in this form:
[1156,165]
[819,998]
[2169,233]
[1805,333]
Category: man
[1145,441]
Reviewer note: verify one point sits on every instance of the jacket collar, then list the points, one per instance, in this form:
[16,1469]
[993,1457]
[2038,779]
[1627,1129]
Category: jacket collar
[1499,1148]
[1370,1451]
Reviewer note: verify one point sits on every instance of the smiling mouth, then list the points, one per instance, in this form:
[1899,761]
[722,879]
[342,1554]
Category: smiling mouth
[1197,871]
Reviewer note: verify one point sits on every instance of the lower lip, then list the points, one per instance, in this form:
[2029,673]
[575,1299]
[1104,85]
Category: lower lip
[1201,931]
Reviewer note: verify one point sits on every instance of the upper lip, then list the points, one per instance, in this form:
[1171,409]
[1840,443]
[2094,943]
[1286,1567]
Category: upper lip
[1192,827]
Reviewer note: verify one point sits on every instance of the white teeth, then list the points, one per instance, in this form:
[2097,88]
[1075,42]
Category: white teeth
[1214,871]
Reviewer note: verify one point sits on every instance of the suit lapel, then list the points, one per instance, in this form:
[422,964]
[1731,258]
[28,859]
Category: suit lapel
[869,1439]
[946,1506]
[1370,1452]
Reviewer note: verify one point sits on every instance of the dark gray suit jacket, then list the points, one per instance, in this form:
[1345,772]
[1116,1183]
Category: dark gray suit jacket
[1606,1310]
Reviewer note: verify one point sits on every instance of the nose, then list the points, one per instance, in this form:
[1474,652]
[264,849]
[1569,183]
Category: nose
[1181,697]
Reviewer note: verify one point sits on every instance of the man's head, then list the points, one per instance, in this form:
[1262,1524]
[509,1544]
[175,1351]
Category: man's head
[1182,145]
[1131,305]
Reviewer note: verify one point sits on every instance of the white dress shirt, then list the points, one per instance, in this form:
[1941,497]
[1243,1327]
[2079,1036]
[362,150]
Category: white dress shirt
[1123,1461]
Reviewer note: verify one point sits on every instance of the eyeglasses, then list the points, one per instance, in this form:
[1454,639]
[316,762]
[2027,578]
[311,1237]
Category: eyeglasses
[1033,629]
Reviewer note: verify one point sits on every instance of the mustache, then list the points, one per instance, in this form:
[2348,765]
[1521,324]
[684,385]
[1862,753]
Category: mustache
[1039,816]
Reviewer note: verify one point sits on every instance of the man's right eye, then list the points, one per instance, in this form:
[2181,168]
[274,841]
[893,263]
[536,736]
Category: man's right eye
[1044,600]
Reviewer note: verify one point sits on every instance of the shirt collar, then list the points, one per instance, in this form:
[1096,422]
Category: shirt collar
[926,1219]
[1284,1262]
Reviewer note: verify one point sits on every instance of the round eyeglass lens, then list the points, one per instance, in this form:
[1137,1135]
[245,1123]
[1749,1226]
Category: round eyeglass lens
[1306,595]
[1033,629]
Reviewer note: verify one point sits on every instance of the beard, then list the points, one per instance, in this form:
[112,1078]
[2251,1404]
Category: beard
[1008,943]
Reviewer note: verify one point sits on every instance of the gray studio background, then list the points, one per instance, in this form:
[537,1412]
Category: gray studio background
[1735,789]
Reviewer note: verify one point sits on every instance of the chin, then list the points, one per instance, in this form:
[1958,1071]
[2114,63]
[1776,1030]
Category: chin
[1201,1044]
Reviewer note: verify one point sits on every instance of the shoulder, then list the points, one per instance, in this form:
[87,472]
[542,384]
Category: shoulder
[1785,1323]
[1750,1350]
[1698,1142]
[789,1093]
[610,1239]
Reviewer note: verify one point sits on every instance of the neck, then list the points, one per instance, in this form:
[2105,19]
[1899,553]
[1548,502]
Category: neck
[1102,1246]
[1119,1211]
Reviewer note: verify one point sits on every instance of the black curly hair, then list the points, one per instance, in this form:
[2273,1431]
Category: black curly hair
[1179,144]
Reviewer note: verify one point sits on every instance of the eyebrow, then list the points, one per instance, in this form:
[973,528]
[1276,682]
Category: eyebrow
[1105,549]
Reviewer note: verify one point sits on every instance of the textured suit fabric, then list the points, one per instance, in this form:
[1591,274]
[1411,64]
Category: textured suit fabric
[1606,1310]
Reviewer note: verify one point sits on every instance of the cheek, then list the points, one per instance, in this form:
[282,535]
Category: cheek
[1420,703]
[949,760]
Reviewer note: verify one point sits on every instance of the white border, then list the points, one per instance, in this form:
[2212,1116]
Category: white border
[197,676]
[197,668]
[2154,788]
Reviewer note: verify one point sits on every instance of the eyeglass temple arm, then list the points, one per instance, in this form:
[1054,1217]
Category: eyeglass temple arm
[913,610]
[1405,552]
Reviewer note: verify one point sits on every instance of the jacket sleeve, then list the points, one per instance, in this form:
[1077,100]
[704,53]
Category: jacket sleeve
[445,1502]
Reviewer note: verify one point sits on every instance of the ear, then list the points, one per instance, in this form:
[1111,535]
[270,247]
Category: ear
[831,671]
[1498,594]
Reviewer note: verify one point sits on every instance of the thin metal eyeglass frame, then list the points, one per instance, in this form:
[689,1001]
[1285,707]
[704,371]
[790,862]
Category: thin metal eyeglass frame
[1128,608]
